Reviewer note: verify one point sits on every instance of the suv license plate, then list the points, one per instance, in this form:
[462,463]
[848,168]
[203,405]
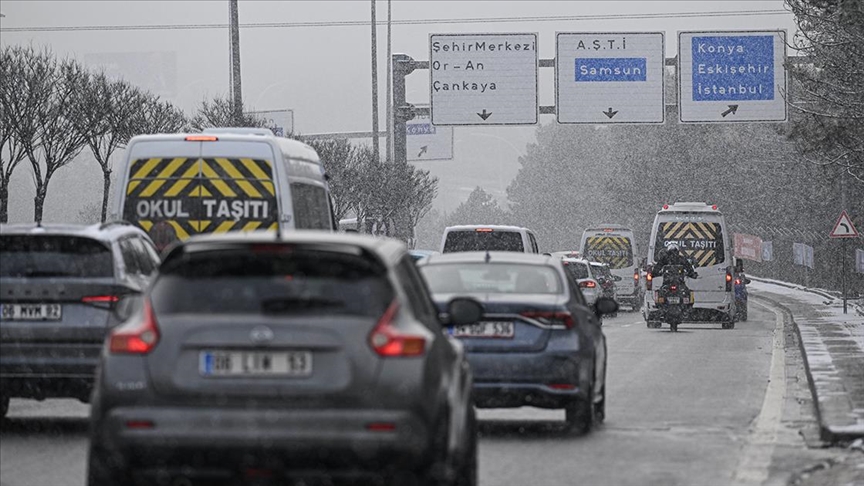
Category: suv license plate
[255,363]
[31,312]
[485,329]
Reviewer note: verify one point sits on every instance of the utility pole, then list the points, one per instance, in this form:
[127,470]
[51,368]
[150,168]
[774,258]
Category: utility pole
[375,147]
[389,84]
[403,65]
[235,60]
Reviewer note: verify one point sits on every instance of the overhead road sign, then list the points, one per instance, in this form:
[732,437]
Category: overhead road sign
[483,79]
[610,77]
[732,76]
[425,141]
[844,228]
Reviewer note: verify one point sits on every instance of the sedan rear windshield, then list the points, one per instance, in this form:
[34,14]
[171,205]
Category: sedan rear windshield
[276,279]
[577,270]
[472,240]
[499,278]
[36,256]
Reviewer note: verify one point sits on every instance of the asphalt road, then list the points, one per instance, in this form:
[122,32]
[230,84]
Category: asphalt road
[680,411]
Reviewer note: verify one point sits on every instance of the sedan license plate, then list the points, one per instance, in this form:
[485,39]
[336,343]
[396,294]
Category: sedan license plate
[485,329]
[31,312]
[673,300]
[255,363]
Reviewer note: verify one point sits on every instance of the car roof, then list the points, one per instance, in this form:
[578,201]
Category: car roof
[105,232]
[494,227]
[388,249]
[494,257]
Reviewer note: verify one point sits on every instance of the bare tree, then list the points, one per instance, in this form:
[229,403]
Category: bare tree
[338,157]
[11,103]
[154,116]
[104,110]
[48,137]
[219,112]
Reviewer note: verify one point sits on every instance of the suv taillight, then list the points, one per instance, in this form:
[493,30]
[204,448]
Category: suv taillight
[137,337]
[389,342]
[560,318]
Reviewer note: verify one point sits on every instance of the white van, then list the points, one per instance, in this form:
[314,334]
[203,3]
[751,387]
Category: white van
[488,237]
[614,245]
[701,234]
[223,179]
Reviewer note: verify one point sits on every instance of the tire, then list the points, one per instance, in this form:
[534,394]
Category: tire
[105,470]
[728,324]
[580,414]
[4,407]
[654,324]
[673,327]
[600,407]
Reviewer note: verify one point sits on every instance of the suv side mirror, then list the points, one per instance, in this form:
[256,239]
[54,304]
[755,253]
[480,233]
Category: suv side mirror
[462,311]
[127,306]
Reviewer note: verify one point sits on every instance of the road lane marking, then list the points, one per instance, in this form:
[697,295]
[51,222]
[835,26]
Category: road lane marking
[756,454]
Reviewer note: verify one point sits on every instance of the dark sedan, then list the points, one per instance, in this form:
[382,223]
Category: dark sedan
[538,343]
[254,357]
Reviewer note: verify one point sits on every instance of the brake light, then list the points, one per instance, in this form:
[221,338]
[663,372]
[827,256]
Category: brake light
[728,280]
[714,207]
[389,342]
[100,299]
[381,427]
[665,206]
[483,230]
[202,138]
[737,281]
[588,284]
[560,318]
[673,288]
[649,279]
[562,386]
[139,424]
[136,337]
[636,276]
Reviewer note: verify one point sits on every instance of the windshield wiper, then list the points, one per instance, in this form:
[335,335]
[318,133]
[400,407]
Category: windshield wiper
[289,304]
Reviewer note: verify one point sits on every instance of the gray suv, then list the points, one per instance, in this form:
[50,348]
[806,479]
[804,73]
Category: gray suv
[58,286]
[300,356]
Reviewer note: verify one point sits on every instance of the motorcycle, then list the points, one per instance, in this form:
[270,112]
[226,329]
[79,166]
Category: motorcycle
[674,299]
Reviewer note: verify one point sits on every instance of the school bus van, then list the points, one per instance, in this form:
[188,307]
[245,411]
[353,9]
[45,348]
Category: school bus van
[224,179]
[700,231]
[614,245]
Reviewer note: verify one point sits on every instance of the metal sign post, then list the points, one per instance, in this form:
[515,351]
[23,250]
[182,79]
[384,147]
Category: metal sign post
[844,229]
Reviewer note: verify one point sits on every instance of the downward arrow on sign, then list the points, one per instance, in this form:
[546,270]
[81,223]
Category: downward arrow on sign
[484,115]
[610,113]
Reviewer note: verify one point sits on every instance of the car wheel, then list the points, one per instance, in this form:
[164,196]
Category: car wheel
[580,414]
[104,469]
[728,324]
[654,324]
[4,407]
[742,316]
[600,407]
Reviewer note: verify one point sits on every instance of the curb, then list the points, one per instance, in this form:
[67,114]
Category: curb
[827,433]
[794,287]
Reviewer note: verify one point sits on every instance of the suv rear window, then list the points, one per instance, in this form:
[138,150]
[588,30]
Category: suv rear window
[272,279]
[54,256]
[472,240]
[577,270]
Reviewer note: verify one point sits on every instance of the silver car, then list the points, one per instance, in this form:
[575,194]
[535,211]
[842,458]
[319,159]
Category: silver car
[303,355]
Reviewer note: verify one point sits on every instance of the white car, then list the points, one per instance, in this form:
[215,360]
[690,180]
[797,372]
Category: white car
[580,270]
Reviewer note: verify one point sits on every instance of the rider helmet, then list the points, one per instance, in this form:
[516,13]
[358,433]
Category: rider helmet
[673,249]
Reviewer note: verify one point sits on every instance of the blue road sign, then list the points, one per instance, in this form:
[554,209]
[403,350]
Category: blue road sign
[610,69]
[733,68]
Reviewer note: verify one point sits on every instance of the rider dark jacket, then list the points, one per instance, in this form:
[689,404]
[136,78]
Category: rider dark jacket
[672,257]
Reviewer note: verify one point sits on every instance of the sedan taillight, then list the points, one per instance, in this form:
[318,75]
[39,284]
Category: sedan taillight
[552,318]
[139,336]
[587,284]
[389,342]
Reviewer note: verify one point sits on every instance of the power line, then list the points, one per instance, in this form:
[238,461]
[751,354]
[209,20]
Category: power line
[355,23]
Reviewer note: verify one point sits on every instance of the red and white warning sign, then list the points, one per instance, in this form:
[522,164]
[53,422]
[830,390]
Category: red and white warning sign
[844,227]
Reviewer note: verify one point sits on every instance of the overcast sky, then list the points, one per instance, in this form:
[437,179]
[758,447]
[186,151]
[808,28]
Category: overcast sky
[323,73]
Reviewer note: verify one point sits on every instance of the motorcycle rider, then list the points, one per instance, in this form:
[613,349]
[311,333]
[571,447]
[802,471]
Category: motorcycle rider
[673,256]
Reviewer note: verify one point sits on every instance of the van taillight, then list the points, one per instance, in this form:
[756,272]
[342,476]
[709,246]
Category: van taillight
[636,275]
[649,279]
[138,336]
[202,138]
[728,280]
[389,342]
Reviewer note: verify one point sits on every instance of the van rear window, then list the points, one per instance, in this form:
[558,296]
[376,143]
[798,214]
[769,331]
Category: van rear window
[470,240]
[615,251]
[703,242]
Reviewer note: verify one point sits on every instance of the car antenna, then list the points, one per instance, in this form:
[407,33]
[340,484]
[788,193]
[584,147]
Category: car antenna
[488,257]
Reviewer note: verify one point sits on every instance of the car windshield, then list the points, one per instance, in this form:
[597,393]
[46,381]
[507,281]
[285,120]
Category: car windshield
[491,278]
